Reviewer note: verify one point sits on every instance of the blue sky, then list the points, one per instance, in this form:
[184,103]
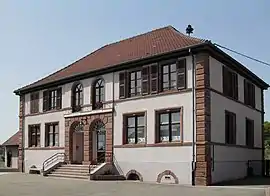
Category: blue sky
[39,37]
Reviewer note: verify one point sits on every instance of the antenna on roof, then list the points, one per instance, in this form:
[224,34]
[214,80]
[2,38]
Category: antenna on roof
[189,30]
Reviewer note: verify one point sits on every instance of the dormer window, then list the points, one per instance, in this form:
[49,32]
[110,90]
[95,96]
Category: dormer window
[77,97]
[98,95]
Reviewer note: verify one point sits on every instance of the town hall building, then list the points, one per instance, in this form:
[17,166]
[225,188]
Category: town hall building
[158,107]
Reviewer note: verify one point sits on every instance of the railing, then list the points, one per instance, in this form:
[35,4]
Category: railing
[52,161]
[97,160]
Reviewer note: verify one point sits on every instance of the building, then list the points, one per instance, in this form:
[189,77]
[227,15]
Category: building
[10,151]
[161,106]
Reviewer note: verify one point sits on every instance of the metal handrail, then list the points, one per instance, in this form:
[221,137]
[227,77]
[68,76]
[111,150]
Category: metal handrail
[95,161]
[48,160]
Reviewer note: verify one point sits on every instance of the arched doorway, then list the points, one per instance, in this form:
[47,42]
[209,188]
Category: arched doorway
[76,143]
[99,141]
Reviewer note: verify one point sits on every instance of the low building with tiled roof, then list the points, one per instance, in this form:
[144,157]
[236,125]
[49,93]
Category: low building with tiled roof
[11,149]
[161,107]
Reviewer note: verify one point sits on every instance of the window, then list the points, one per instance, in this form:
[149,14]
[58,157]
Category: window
[249,93]
[52,99]
[168,126]
[230,128]
[77,97]
[34,135]
[230,83]
[169,77]
[153,78]
[51,134]
[34,102]
[249,132]
[98,96]
[135,83]
[134,129]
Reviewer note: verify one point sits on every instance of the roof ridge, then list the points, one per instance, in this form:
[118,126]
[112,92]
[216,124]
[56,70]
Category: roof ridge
[138,35]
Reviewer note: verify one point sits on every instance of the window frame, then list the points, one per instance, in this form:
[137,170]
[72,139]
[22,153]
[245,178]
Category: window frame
[57,99]
[34,102]
[54,133]
[168,111]
[98,104]
[249,141]
[136,82]
[161,67]
[230,129]
[230,83]
[125,127]
[249,93]
[34,130]
[76,107]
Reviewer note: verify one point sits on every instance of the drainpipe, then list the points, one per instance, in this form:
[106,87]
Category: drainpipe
[193,117]
[113,110]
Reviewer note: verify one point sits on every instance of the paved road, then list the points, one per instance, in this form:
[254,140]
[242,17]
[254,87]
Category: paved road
[14,184]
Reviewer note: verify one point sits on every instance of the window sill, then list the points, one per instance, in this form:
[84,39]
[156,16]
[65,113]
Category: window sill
[169,92]
[45,148]
[163,144]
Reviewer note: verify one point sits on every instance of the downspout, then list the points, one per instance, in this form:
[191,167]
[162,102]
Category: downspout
[113,112]
[193,117]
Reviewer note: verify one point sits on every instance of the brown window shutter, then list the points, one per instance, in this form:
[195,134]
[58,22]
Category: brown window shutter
[145,80]
[181,74]
[45,100]
[234,128]
[245,92]
[225,80]
[32,101]
[157,132]
[160,78]
[59,99]
[154,78]
[253,95]
[122,85]
[235,85]
[124,130]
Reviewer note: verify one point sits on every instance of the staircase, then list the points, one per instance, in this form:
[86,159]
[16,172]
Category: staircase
[72,171]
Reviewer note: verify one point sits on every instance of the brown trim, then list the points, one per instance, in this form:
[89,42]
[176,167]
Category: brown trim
[22,133]
[202,174]
[167,144]
[220,93]
[45,148]
[234,145]
[164,110]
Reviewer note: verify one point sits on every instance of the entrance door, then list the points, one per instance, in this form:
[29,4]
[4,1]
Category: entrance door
[78,147]
[101,145]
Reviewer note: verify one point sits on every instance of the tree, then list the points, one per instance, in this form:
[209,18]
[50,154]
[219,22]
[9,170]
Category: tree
[267,139]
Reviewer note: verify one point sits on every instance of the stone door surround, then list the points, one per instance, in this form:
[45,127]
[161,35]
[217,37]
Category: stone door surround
[88,121]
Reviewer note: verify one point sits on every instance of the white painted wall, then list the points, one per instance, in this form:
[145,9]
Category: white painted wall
[37,157]
[230,162]
[151,161]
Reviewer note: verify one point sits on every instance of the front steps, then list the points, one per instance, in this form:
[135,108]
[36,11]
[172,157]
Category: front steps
[72,171]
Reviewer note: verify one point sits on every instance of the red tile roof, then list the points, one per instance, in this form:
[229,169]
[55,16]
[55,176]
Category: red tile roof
[13,140]
[159,41]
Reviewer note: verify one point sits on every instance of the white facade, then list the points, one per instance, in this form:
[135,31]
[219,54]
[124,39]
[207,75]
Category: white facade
[151,161]
[232,158]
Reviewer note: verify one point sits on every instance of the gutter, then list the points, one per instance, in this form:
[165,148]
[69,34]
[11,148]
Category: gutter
[193,117]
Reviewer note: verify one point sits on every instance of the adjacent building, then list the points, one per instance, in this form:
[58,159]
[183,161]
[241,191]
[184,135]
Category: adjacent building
[163,106]
[10,149]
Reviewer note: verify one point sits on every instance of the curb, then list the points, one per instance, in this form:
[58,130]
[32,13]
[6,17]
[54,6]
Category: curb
[267,191]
